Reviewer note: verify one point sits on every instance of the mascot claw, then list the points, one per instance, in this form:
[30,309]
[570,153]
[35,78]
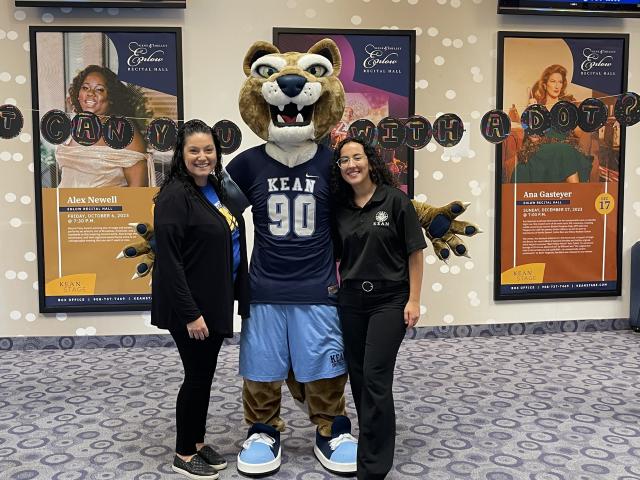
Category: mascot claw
[443,230]
[143,248]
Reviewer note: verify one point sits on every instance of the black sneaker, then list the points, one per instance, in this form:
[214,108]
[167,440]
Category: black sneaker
[212,457]
[196,468]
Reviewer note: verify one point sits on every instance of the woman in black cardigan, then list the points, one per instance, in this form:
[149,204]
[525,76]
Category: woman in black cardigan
[200,269]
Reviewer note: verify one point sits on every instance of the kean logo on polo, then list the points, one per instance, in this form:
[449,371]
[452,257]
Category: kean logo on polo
[381,219]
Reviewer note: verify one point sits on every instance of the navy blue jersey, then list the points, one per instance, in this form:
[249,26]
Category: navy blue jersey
[292,260]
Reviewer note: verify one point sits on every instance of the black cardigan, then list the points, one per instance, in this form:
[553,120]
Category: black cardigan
[192,274]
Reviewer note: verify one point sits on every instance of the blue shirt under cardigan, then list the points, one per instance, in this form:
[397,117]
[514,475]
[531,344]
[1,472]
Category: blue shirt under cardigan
[213,199]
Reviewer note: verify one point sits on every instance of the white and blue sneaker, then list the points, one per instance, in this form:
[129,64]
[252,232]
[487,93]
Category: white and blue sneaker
[261,453]
[339,452]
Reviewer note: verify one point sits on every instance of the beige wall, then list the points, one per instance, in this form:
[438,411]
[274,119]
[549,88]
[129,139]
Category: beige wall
[215,37]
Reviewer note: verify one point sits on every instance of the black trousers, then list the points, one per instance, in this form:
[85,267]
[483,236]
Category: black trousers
[373,328]
[199,359]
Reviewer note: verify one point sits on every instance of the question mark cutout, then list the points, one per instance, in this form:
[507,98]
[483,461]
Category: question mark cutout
[627,109]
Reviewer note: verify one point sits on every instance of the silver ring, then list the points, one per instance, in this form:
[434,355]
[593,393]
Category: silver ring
[367,286]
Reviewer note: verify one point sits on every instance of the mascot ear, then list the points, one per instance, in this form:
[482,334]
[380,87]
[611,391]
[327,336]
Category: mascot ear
[257,50]
[328,49]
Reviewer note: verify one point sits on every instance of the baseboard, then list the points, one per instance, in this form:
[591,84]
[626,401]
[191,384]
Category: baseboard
[447,331]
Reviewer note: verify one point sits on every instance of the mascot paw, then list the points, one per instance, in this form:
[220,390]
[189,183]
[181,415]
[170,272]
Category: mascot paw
[442,228]
[143,249]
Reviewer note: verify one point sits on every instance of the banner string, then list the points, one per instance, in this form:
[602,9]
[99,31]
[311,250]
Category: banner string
[504,109]
[447,129]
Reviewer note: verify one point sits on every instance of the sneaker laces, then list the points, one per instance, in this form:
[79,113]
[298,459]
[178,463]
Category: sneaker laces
[260,438]
[344,437]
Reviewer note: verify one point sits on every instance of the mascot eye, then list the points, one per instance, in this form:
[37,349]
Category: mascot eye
[317,70]
[266,71]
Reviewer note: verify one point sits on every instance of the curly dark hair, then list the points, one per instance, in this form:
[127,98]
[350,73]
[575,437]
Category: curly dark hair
[380,174]
[178,170]
[124,100]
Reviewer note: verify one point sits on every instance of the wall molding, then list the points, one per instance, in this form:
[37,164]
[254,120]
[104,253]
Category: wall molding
[430,332]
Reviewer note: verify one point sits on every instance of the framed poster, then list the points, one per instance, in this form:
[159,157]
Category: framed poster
[560,172]
[95,90]
[378,75]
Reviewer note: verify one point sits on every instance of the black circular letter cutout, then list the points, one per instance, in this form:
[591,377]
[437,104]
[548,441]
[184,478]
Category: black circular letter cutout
[229,135]
[11,121]
[390,133]
[417,132]
[55,127]
[592,114]
[495,126]
[117,132]
[564,116]
[365,129]
[448,130]
[86,128]
[627,109]
[162,134]
[536,119]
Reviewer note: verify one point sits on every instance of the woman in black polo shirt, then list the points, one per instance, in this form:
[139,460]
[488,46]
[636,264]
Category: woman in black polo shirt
[379,243]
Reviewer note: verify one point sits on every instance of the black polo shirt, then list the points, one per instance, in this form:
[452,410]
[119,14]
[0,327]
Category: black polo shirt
[374,242]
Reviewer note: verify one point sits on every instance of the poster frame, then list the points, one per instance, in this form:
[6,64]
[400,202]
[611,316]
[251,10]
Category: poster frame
[36,114]
[497,294]
[411,34]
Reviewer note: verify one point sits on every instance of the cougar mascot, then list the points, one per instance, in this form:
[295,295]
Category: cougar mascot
[291,100]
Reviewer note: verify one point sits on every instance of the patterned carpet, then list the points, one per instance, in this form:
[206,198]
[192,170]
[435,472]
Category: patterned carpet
[563,406]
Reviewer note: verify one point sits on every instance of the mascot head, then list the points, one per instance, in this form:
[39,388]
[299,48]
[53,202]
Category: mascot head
[292,97]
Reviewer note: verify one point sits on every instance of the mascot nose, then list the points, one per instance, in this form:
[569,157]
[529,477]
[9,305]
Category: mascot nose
[291,85]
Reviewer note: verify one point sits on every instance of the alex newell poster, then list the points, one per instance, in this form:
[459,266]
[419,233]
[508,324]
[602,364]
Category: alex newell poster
[378,75]
[560,172]
[97,166]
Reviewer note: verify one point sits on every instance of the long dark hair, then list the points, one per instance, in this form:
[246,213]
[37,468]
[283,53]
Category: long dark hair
[178,170]
[380,174]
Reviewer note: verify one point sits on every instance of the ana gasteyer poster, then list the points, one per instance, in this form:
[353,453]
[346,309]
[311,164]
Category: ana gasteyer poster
[558,195]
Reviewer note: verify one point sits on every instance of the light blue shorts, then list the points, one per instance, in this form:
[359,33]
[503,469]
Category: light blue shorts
[276,338]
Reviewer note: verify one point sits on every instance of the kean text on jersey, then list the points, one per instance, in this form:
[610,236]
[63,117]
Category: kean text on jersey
[283,184]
